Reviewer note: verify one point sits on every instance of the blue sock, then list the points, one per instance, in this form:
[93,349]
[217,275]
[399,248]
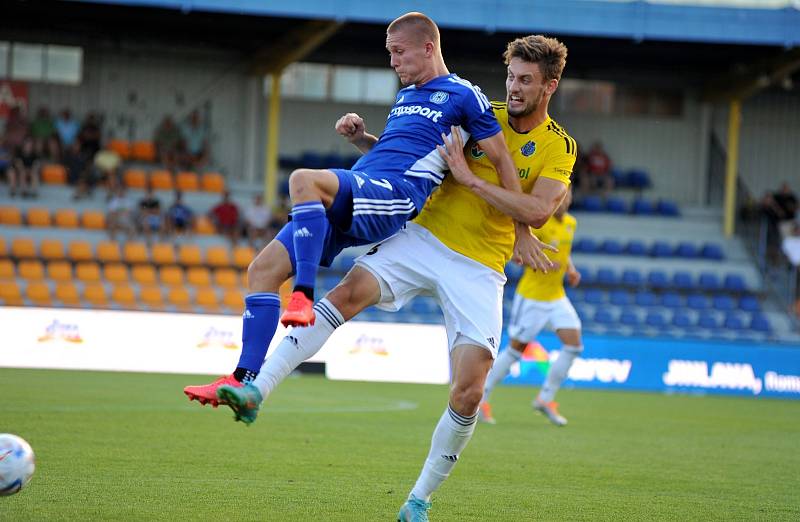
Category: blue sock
[310,225]
[259,321]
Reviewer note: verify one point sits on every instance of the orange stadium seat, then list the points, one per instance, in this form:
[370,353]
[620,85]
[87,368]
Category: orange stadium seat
[204,226]
[161,180]
[93,219]
[38,217]
[3,247]
[190,255]
[143,151]
[243,256]
[218,256]
[66,218]
[213,182]
[6,270]
[135,178]
[163,254]
[31,269]
[226,277]
[79,251]
[116,273]
[179,296]
[67,293]
[144,274]
[59,271]
[135,252]
[38,293]
[245,281]
[121,147]
[88,272]
[23,248]
[124,295]
[51,249]
[234,300]
[171,275]
[152,296]
[198,276]
[54,174]
[95,294]
[10,216]
[108,252]
[187,181]
[206,297]
[10,293]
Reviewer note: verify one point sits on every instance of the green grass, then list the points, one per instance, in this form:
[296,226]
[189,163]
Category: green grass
[131,447]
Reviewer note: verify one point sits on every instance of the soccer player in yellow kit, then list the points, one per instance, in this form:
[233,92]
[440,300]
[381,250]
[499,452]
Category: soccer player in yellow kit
[540,301]
[455,250]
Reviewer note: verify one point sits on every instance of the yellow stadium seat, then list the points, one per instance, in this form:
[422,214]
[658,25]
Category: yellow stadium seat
[144,274]
[6,270]
[59,271]
[79,251]
[179,297]
[206,297]
[135,178]
[161,179]
[233,300]
[190,255]
[95,294]
[143,151]
[226,278]
[135,252]
[152,296]
[116,273]
[10,216]
[23,248]
[121,147]
[38,293]
[187,181]
[243,256]
[198,276]
[38,217]
[124,295]
[31,269]
[171,275]
[67,293]
[204,226]
[213,182]
[88,272]
[66,218]
[93,219]
[10,293]
[54,174]
[163,254]
[51,249]
[218,256]
[108,252]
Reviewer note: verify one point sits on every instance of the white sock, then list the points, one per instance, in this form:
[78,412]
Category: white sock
[558,372]
[449,439]
[299,345]
[500,369]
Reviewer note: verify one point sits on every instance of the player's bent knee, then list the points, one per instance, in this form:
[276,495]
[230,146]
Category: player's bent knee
[465,400]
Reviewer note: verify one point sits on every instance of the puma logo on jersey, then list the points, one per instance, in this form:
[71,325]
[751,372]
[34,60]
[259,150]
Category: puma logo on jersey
[303,232]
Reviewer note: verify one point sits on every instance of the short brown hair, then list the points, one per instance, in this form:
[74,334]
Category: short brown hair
[420,24]
[549,53]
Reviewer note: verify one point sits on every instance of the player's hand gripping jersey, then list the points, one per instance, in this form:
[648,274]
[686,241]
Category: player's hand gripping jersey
[539,286]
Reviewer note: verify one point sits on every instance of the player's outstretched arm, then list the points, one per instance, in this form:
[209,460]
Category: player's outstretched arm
[352,127]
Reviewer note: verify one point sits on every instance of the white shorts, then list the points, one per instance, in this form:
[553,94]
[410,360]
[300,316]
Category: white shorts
[414,262]
[529,317]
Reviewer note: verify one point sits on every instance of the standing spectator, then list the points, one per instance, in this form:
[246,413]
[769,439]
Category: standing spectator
[41,129]
[195,137]
[24,172]
[90,135]
[179,217]
[119,216]
[225,216]
[598,166]
[168,143]
[150,219]
[67,128]
[257,218]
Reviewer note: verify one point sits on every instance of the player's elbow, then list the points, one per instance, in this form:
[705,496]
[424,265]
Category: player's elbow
[535,218]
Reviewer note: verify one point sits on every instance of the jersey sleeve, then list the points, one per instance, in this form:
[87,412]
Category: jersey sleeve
[477,115]
[560,161]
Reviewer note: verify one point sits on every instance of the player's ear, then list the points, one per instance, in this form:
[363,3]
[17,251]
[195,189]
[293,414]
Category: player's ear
[552,85]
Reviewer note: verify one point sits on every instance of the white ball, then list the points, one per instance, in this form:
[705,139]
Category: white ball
[16,463]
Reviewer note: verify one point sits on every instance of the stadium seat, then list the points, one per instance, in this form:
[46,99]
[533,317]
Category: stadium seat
[708,282]
[88,272]
[616,206]
[594,296]
[226,278]
[206,298]
[218,256]
[587,276]
[204,226]
[7,270]
[637,179]
[95,294]
[655,319]
[585,245]
[10,293]
[611,247]
[646,298]
[592,204]
[631,277]
[734,283]
[657,279]
[605,276]
[233,300]
[152,296]
[681,320]
[135,178]
[723,303]
[163,254]
[108,252]
[23,248]
[667,208]
[712,251]
[682,280]
[124,296]
[66,218]
[190,255]
[603,316]
[636,248]
[171,275]
[187,181]
[161,179]
[749,303]
[643,207]
[121,147]
[179,297]
[54,174]
[733,322]
[116,273]
[31,269]
[3,247]
[243,256]
[620,298]
[671,300]
[93,220]
[143,151]
[629,318]
[79,251]
[198,276]
[51,249]
[144,274]
[59,271]
[67,293]
[708,321]
[212,182]
[661,249]
[687,250]
[11,216]
[38,217]
[697,302]
[760,323]
[38,293]
[135,252]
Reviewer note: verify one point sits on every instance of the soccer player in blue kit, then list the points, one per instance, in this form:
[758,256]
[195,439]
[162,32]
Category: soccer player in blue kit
[335,208]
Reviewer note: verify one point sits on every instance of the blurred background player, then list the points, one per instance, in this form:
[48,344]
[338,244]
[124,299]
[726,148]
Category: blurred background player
[539,302]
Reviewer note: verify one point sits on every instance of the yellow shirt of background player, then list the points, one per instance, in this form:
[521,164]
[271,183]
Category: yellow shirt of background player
[550,286]
[471,226]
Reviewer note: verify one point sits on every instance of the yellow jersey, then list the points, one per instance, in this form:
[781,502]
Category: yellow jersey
[465,222]
[550,286]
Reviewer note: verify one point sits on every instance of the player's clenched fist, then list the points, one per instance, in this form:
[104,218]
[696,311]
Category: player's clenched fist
[351,126]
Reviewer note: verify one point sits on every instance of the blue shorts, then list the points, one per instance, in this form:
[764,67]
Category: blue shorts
[365,210]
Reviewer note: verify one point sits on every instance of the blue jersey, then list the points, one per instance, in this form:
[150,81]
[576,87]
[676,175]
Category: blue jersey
[415,125]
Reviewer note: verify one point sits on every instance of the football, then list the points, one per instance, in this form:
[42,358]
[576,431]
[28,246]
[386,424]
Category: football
[16,463]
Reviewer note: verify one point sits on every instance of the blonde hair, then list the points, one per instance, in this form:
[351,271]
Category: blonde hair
[549,53]
[422,27]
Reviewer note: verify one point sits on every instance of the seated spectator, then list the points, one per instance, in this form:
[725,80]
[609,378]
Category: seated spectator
[119,216]
[24,172]
[195,138]
[225,216]
[598,170]
[52,152]
[150,219]
[16,129]
[168,142]
[107,163]
[90,135]
[257,221]
[41,129]
[5,160]
[79,172]
[67,128]
[179,217]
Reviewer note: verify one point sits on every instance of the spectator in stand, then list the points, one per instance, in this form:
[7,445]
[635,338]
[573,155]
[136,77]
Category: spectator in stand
[179,217]
[786,205]
[168,142]
[779,210]
[598,169]
[24,172]
[257,221]
[52,152]
[195,137]
[119,216]
[16,129]
[225,216]
[90,135]
[41,130]
[67,128]
[150,219]
[79,172]
[107,163]
[5,160]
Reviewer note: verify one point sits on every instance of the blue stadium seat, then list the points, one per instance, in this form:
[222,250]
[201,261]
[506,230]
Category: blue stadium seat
[603,316]
[629,318]
[749,303]
[712,251]
[620,298]
[661,249]
[605,276]
[667,208]
[351,160]
[612,247]
[616,206]
[687,250]
[594,296]
[636,248]
[592,204]
[760,323]
[655,319]
[646,298]
[733,322]
[587,276]
[333,160]
[723,303]
[619,178]
[637,179]
[681,320]
[707,321]
[697,302]
[643,207]
[682,280]
[708,282]
[573,294]
[631,277]
[657,279]
[312,160]
[586,245]
[671,300]
[734,283]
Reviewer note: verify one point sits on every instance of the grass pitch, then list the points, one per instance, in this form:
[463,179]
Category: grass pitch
[117,446]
